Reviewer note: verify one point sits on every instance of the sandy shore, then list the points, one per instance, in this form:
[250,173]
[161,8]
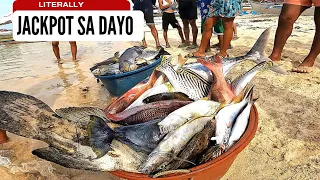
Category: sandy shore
[286,145]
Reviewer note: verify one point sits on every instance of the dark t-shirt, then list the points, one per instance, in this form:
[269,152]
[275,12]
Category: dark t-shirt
[143,5]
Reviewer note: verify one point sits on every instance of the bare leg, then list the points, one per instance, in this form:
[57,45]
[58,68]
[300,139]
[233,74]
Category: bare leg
[305,66]
[165,35]
[289,14]
[56,51]
[220,38]
[235,35]
[183,41]
[144,43]
[227,35]
[194,31]
[186,30]
[73,45]
[154,33]
[206,36]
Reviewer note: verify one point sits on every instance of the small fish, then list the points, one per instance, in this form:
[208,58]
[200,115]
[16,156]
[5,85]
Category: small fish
[210,154]
[185,81]
[104,70]
[220,89]
[130,96]
[144,113]
[171,145]
[164,88]
[225,119]
[167,96]
[162,78]
[187,113]
[241,81]
[240,124]
[194,148]
[80,114]
[142,137]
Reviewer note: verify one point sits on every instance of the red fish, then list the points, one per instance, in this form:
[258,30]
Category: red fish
[144,113]
[220,90]
[130,96]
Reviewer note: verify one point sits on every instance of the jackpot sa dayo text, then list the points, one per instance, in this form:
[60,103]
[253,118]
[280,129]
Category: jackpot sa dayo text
[87,25]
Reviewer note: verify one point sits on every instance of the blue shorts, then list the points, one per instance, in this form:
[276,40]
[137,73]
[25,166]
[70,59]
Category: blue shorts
[225,8]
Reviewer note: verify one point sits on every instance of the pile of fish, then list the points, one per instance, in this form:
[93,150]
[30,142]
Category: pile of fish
[128,60]
[178,118]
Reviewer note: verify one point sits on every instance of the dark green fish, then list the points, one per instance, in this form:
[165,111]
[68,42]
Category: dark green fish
[142,137]
[80,114]
[167,96]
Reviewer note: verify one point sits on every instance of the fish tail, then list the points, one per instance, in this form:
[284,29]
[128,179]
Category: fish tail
[249,95]
[181,60]
[260,45]
[100,136]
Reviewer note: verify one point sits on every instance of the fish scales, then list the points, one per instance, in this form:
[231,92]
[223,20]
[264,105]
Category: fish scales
[185,81]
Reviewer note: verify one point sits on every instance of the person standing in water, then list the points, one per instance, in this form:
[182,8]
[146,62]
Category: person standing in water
[226,10]
[290,12]
[168,17]
[56,50]
[146,7]
[188,14]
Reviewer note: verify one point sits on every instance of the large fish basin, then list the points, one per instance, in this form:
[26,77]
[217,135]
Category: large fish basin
[211,170]
[118,84]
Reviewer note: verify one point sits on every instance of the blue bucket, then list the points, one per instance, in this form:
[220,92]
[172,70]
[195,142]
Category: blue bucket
[119,84]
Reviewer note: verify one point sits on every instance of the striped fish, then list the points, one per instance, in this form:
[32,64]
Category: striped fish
[185,80]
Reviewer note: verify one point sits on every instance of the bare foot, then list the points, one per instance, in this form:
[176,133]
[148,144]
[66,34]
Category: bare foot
[307,66]
[168,46]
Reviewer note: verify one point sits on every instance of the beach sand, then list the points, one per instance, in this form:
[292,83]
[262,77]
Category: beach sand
[286,145]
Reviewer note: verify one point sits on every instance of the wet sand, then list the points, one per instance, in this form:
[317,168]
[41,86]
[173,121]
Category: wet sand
[286,145]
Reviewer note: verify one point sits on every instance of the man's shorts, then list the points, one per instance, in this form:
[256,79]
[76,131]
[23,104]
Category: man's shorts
[188,9]
[225,8]
[148,17]
[218,28]
[169,18]
[307,3]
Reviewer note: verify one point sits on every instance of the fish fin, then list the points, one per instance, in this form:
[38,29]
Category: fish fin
[59,157]
[240,97]
[181,60]
[163,52]
[249,94]
[100,136]
[205,98]
[259,46]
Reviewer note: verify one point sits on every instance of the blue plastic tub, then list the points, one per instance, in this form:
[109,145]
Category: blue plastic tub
[119,84]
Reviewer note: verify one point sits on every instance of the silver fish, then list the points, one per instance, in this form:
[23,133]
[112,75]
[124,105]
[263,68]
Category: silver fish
[171,145]
[225,119]
[241,124]
[127,59]
[241,81]
[185,81]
